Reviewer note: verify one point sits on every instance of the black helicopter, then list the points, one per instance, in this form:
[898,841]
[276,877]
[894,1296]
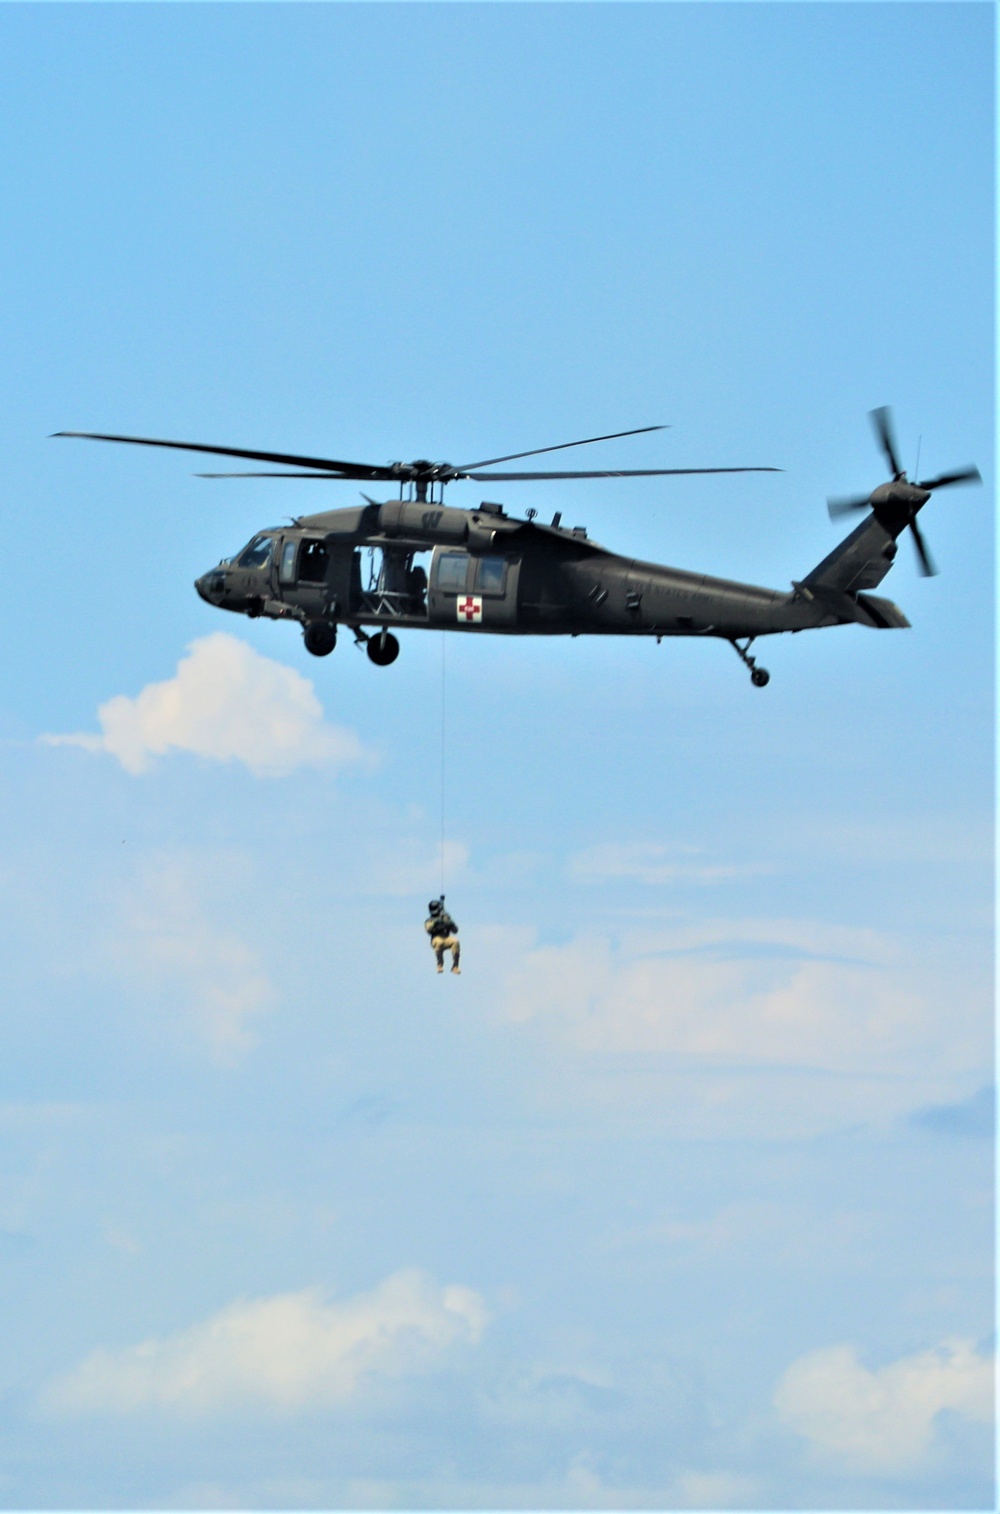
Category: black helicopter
[490,572]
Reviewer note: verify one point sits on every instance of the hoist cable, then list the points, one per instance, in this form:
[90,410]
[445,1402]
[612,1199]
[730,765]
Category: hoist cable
[442,763]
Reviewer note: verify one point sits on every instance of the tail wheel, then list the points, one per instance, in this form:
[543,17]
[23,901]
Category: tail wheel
[320,638]
[760,677]
[383,649]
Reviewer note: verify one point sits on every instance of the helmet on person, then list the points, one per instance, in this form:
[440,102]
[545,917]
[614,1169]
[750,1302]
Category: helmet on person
[435,907]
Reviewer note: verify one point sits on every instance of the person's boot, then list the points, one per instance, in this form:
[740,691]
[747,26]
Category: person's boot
[440,967]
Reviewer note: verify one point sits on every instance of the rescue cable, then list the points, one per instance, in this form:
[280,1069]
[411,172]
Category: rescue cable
[442,763]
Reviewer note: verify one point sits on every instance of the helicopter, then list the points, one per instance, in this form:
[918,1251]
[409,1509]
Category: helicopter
[493,573]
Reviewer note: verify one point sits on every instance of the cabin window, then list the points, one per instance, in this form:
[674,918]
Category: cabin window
[287,571]
[312,562]
[451,571]
[490,575]
[258,552]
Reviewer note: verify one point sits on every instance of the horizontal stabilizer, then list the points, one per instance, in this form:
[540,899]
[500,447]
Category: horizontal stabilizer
[865,609]
[885,615]
[834,601]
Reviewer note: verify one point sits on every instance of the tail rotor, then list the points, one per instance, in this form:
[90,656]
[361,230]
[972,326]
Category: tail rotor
[897,502]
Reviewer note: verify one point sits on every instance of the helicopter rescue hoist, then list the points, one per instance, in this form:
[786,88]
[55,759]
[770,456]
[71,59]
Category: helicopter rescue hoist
[361,567]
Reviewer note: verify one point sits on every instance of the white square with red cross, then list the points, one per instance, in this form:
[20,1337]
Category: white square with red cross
[470,609]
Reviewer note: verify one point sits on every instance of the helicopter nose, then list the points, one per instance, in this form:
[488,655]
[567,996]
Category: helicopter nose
[209,586]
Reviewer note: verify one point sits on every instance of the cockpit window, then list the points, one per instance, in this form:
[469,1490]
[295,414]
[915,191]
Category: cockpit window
[256,555]
[286,572]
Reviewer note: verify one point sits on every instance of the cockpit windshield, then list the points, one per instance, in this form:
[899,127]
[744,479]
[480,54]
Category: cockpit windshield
[256,555]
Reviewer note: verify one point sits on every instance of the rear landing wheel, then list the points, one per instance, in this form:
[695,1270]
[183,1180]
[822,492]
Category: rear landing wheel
[758,676]
[383,649]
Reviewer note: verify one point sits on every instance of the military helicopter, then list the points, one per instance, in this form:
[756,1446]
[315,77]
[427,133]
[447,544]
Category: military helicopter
[495,573]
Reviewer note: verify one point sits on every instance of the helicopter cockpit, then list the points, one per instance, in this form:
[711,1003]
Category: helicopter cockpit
[257,553]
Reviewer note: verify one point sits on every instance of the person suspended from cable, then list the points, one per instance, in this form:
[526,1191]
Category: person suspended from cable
[443,933]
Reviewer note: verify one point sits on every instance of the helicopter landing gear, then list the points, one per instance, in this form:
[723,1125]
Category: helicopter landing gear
[382,649]
[759,677]
[320,638]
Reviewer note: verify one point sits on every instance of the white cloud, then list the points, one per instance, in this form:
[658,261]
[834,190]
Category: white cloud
[288,1352]
[410,867]
[648,863]
[752,1008]
[882,1420]
[229,704]
[171,944]
[808,938]
[717,1490]
[745,1026]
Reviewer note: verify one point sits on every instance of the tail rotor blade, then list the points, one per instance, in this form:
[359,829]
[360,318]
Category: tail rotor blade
[844,506]
[970,475]
[927,567]
[882,421]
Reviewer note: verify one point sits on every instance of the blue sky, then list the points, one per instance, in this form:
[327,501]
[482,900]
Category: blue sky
[682,1196]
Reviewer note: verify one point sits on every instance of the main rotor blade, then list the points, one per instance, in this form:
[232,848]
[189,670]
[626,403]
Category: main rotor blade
[970,475]
[844,505]
[882,421]
[511,457]
[330,477]
[511,477]
[326,464]
[927,567]
[611,473]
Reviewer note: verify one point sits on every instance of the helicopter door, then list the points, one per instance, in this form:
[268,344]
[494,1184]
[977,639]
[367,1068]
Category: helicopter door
[303,572]
[494,581]
[472,591]
[318,574]
[449,583]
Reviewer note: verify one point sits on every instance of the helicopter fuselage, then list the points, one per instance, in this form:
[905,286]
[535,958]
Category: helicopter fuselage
[490,573]
[496,574]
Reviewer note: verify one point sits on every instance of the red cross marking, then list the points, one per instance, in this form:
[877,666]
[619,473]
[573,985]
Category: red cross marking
[471,608]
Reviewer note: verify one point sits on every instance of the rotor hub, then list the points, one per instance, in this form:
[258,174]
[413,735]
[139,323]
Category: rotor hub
[900,492]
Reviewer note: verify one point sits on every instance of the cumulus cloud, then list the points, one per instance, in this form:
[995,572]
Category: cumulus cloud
[171,944]
[226,703]
[285,1353]
[778,1007]
[882,1420]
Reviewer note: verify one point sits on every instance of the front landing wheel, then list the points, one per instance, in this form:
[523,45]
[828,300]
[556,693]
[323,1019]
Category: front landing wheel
[759,677]
[320,638]
[383,649]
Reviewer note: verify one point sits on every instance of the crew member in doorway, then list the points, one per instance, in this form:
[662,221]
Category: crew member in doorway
[416,587]
[443,933]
